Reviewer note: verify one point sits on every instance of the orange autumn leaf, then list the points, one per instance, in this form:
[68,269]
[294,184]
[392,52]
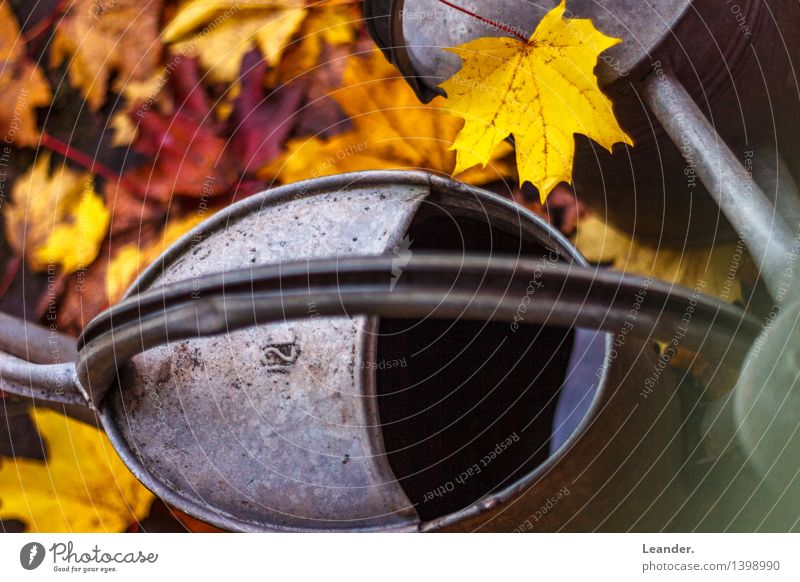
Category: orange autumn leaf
[220,32]
[23,87]
[98,40]
[391,130]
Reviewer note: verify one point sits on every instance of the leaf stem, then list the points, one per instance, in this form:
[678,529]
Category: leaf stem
[80,158]
[64,149]
[489,21]
[12,268]
[52,294]
[45,23]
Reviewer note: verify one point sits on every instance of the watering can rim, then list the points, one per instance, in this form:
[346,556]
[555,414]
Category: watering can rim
[315,186]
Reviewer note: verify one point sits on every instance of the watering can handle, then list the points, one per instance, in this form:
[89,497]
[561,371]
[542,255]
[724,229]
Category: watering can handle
[515,290]
[768,237]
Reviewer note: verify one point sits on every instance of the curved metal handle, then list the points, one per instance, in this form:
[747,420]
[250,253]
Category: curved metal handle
[767,236]
[431,285]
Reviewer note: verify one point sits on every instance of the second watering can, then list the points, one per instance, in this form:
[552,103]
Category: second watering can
[735,62]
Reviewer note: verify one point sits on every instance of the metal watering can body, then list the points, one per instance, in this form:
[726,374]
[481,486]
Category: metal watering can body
[293,365]
[736,60]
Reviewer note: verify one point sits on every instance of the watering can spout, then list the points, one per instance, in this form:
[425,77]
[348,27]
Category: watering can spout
[759,416]
[768,236]
[56,383]
[41,368]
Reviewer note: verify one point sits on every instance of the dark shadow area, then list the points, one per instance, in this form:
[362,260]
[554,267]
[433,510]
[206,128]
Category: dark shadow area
[472,408]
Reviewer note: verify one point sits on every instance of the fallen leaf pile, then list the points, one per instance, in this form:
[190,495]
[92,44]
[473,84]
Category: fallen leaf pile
[390,130]
[222,32]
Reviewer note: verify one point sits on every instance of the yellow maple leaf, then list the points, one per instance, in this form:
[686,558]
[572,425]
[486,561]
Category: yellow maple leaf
[56,219]
[82,486]
[98,39]
[23,87]
[542,92]
[391,130]
[716,270]
[75,242]
[220,32]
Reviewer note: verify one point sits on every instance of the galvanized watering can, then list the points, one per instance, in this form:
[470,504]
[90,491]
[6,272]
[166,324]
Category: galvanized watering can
[690,77]
[395,351]
[292,364]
